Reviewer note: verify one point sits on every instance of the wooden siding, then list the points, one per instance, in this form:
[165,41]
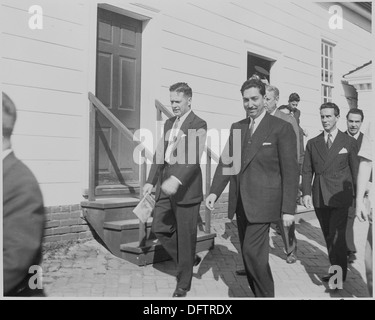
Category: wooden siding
[45,73]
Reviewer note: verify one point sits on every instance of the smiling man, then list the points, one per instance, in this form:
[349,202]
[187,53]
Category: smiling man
[266,186]
[331,159]
[178,180]
[354,120]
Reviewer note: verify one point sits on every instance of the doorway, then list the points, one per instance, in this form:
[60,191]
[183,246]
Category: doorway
[260,66]
[118,86]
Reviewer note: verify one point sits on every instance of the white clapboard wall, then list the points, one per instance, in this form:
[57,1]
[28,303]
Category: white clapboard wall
[204,43]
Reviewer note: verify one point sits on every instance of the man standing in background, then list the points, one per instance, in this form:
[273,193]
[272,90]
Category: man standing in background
[287,233]
[331,163]
[354,120]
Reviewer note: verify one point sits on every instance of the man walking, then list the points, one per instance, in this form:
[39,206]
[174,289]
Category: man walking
[287,233]
[354,120]
[331,158]
[262,186]
[177,175]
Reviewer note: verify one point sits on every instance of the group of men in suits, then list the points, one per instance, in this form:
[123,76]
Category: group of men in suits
[263,185]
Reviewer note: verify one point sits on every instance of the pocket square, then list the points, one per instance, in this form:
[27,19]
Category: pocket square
[343,150]
[267,143]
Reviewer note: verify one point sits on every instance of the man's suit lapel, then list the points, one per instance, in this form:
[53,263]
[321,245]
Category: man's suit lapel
[321,146]
[259,136]
[184,130]
[8,162]
[337,145]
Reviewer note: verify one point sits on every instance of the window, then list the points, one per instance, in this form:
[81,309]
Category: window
[326,71]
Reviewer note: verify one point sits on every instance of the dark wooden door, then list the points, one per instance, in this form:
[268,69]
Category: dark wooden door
[118,87]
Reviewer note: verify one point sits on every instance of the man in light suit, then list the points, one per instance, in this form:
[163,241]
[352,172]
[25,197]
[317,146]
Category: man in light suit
[331,159]
[263,183]
[287,233]
[354,120]
[23,217]
[177,175]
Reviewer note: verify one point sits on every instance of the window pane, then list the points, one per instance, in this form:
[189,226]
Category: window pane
[331,52]
[326,76]
[322,49]
[326,63]
[331,64]
[331,77]
[326,50]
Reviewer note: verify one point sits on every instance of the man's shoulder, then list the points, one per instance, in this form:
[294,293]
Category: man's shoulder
[198,119]
[18,173]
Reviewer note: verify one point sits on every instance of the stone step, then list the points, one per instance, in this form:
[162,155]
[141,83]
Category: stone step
[152,251]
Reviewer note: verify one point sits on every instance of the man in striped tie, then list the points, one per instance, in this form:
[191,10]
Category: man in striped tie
[178,178]
[331,161]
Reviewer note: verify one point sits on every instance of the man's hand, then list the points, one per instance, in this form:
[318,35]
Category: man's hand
[361,211]
[288,219]
[147,188]
[307,202]
[170,186]
[210,201]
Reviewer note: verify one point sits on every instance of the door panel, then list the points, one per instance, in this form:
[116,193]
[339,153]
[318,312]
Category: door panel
[118,87]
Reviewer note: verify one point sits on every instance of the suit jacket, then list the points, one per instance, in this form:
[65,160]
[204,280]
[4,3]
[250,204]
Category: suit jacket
[359,140]
[293,122]
[23,222]
[334,171]
[268,178]
[188,151]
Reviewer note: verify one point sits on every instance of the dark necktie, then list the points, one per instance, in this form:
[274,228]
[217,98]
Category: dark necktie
[172,140]
[247,142]
[329,141]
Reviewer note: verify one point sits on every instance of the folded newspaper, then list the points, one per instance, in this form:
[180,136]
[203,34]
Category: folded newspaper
[144,208]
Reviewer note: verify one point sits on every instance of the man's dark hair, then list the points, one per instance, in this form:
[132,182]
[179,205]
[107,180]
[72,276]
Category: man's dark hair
[9,116]
[331,105]
[294,97]
[254,83]
[181,87]
[356,111]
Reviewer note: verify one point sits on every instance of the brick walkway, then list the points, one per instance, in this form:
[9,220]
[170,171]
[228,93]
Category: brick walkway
[89,270]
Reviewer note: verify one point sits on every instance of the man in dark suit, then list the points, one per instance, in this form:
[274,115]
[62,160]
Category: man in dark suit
[263,182]
[354,120]
[23,217]
[331,158]
[177,175]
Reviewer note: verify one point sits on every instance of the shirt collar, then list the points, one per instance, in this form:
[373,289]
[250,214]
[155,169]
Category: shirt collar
[6,153]
[356,136]
[333,134]
[183,118]
[259,119]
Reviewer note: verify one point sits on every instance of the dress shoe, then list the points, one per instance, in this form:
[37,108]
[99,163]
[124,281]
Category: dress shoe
[179,293]
[197,260]
[327,277]
[241,272]
[291,258]
[351,257]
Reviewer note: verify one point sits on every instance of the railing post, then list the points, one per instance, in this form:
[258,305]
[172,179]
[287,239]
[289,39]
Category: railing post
[142,182]
[207,219]
[92,159]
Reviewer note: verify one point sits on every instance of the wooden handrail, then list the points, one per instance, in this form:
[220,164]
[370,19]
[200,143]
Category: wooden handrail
[118,124]
[169,114]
